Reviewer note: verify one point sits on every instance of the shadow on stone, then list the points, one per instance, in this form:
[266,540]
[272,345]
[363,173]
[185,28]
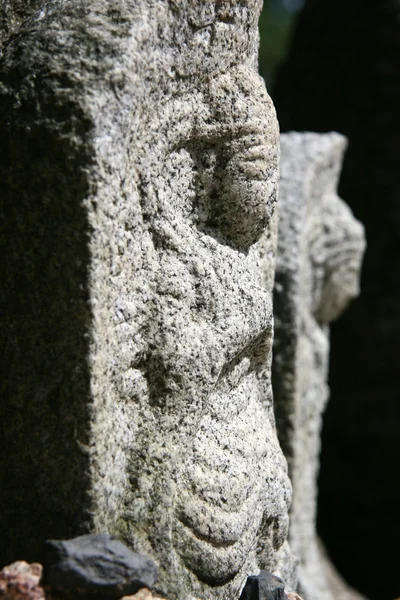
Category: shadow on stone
[45,313]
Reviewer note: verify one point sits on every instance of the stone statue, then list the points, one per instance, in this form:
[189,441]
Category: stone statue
[320,249]
[358,95]
[141,171]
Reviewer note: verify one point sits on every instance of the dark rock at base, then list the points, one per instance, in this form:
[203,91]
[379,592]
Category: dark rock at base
[264,586]
[96,564]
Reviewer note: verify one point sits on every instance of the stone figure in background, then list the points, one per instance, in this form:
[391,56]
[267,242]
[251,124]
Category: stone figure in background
[342,74]
[138,169]
[320,249]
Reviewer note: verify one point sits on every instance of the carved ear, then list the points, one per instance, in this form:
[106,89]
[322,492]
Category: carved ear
[246,175]
[242,207]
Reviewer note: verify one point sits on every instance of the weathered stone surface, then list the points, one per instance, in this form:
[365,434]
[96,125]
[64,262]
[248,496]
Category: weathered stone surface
[139,167]
[343,74]
[264,586]
[20,581]
[320,248]
[96,564]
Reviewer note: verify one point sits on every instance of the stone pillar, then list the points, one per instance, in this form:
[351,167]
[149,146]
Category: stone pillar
[138,169]
[342,74]
[320,248]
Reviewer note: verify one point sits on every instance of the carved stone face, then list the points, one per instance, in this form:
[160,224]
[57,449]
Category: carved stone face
[215,485]
[141,125]
[186,323]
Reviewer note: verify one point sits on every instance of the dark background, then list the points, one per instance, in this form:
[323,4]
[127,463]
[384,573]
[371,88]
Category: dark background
[335,65]
[276,28]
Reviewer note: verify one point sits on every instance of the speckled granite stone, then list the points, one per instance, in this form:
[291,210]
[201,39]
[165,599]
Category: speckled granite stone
[138,170]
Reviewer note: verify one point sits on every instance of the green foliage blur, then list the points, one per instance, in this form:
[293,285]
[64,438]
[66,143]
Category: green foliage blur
[276,25]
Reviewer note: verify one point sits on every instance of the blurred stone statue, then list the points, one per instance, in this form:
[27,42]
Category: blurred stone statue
[320,250]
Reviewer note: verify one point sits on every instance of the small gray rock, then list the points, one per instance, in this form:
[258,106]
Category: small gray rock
[263,586]
[97,564]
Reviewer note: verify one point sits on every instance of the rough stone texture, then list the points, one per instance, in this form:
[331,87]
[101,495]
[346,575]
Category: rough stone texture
[320,248]
[138,168]
[96,564]
[343,74]
[20,581]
